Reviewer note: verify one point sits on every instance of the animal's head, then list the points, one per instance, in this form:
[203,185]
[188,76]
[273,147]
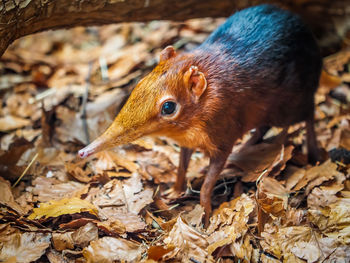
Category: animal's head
[162,103]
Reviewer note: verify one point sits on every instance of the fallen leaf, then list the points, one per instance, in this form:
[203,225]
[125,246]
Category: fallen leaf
[157,252]
[6,197]
[195,216]
[47,189]
[25,247]
[317,175]
[334,220]
[112,226]
[156,166]
[9,123]
[110,249]
[55,257]
[323,196]
[228,227]
[272,196]
[62,241]
[130,222]
[62,207]
[189,244]
[260,158]
[85,234]
[76,170]
[126,196]
[108,160]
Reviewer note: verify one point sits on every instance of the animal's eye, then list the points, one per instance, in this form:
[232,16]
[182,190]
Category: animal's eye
[168,108]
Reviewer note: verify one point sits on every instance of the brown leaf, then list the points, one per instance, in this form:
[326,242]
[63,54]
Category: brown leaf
[189,244]
[261,158]
[323,196]
[195,216]
[108,160]
[272,196]
[62,241]
[158,166]
[48,189]
[113,227]
[26,247]
[85,234]
[317,175]
[129,58]
[55,257]
[76,170]
[109,249]
[157,252]
[334,220]
[15,151]
[127,196]
[9,159]
[9,123]
[228,227]
[7,198]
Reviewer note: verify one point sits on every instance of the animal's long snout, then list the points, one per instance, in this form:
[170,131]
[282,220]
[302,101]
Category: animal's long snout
[97,145]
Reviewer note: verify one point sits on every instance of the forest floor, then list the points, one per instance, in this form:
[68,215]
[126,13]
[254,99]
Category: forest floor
[61,89]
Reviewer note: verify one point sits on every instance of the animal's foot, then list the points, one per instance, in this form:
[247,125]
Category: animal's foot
[173,193]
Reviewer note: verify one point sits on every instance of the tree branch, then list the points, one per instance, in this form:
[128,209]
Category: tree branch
[23,17]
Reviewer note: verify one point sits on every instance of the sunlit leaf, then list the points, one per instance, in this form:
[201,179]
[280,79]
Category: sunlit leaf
[62,207]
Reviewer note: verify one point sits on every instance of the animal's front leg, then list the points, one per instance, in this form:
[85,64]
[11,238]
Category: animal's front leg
[185,157]
[215,167]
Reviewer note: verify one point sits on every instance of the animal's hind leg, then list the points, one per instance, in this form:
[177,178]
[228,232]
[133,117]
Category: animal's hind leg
[257,136]
[312,149]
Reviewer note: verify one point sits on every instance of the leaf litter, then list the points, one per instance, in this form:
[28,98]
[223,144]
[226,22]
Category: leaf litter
[269,204]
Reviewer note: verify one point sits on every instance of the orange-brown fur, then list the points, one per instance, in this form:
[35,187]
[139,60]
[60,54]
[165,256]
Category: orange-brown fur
[189,128]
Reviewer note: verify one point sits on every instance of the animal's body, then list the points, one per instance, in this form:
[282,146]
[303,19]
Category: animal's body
[260,68]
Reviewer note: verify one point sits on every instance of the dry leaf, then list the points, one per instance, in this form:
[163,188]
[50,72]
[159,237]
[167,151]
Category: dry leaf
[323,196]
[195,216]
[228,227]
[9,123]
[130,222]
[260,158]
[85,234]
[62,207]
[26,247]
[334,220]
[317,175]
[112,226]
[62,241]
[111,249]
[188,244]
[48,189]
[126,196]
[76,170]
[272,196]
[108,160]
[6,197]
[157,252]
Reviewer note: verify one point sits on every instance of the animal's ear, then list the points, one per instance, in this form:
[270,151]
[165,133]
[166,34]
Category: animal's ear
[195,81]
[167,53]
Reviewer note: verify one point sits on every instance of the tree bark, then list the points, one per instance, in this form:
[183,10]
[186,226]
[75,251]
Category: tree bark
[23,17]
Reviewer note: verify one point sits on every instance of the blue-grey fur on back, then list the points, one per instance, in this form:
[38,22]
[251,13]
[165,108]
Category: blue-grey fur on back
[266,40]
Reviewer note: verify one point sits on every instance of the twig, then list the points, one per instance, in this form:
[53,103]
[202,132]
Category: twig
[104,69]
[85,98]
[41,96]
[26,170]
[125,199]
[170,208]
